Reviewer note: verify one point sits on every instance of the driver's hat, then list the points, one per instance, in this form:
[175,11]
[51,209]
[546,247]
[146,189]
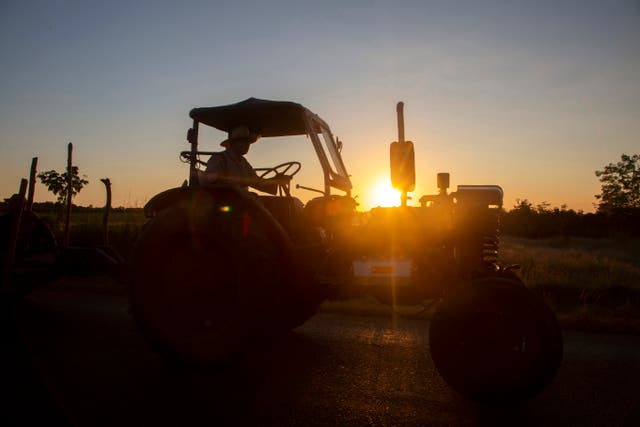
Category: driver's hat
[240,132]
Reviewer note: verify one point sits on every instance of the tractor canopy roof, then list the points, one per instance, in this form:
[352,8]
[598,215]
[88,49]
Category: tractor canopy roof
[264,117]
[277,118]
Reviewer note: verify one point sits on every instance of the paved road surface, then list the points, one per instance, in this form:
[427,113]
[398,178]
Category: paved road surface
[84,363]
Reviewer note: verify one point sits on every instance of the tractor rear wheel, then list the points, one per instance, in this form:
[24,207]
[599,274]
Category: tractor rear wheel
[494,341]
[207,276]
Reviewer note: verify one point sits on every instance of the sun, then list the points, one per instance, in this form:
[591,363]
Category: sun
[382,194]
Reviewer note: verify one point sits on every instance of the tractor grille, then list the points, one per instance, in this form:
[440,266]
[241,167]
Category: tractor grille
[477,225]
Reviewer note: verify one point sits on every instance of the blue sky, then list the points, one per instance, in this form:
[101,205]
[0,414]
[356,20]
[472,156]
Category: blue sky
[533,96]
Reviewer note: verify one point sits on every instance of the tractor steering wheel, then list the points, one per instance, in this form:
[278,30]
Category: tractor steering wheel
[280,171]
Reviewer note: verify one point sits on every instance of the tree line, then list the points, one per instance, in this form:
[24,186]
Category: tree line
[618,208]
[527,220]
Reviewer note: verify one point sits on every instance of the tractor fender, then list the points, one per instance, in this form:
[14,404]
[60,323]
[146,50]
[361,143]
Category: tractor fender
[177,195]
[193,196]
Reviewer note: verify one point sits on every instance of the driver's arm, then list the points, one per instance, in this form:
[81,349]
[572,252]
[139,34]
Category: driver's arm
[269,185]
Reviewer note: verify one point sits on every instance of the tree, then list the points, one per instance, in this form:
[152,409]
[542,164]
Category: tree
[620,184]
[57,183]
[523,205]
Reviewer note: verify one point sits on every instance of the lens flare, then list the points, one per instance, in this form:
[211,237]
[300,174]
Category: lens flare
[383,195]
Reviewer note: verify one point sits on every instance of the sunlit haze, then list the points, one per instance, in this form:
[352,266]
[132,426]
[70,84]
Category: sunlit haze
[532,96]
[382,194]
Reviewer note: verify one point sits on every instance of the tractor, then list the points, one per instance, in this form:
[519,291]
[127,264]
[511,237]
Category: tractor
[218,268]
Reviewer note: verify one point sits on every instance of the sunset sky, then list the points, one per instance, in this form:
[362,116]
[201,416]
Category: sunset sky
[530,95]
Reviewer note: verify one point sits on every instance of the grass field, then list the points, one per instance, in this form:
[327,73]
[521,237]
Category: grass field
[592,284]
[575,263]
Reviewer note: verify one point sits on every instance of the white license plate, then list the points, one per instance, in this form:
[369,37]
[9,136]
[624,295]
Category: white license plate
[382,267]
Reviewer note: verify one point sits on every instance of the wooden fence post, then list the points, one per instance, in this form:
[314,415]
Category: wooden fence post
[65,241]
[107,208]
[32,183]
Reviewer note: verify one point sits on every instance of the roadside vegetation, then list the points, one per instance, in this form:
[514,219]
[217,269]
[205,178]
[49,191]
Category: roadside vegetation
[592,284]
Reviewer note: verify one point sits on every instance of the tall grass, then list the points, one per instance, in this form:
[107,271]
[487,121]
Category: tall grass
[588,264]
[592,283]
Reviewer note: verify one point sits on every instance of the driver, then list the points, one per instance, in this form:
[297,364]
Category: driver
[230,166]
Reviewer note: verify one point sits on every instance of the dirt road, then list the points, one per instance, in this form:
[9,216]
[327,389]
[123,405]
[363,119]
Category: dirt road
[83,362]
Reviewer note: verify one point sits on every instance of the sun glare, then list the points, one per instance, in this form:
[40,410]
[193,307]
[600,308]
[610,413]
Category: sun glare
[383,194]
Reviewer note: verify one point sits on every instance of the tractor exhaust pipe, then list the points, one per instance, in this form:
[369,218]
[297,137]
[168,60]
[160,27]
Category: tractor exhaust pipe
[400,114]
[402,160]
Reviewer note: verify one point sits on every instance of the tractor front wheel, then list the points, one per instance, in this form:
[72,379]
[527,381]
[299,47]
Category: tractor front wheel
[494,341]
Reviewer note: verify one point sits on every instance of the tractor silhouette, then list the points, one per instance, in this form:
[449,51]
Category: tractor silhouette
[218,268]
